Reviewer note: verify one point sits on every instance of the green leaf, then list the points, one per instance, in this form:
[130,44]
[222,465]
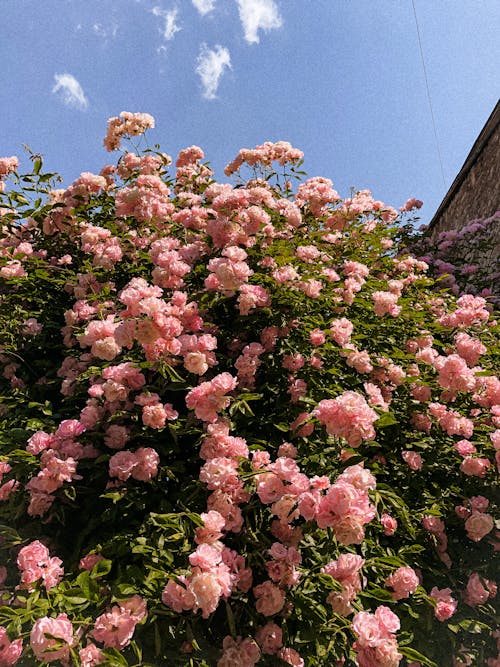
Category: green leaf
[101,568]
[114,658]
[387,419]
[412,654]
[230,620]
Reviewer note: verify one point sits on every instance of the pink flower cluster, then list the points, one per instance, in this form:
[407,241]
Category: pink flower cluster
[317,193]
[454,374]
[269,638]
[269,598]
[216,572]
[282,568]
[446,605]
[10,651]
[171,262]
[146,200]
[8,165]
[6,488]
[341,331]
[451,421]
[389,524]
[348,416]
[229,272]
[141,465]
[248,363]
[385,303]
[222,452]
[479,590]
[251,297]
[346,507]
[281,152]
[241,652]
[51,638]
[403,581]
[471,310]
[209,398]
[346,570]
[155,414]
[412,204]
[102,245]
[376,645]
[35,563]
[115,628]
[469,348]
[150,165]
[60,452]
[131,124]
[412,459]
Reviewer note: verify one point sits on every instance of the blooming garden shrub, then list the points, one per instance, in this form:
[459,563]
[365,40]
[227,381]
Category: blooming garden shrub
[464,260]
[238,427]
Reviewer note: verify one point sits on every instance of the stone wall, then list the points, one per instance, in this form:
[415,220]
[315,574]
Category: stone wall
[465,230]
[475,192]
[466,260]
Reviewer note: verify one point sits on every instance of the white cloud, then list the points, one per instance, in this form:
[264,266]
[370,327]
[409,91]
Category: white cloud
[169,16]
[258,15]
[210,68]
[99,30]
[204,6]
[102,31]
[70,90]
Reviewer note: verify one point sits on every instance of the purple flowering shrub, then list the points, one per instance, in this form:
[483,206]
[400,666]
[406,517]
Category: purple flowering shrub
[466,260]
[238,425]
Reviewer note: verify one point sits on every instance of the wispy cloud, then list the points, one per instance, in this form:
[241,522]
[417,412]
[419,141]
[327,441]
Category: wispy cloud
[169,17]
[70,91]
[105,31]
[204,6]
[210,68]
[258,15]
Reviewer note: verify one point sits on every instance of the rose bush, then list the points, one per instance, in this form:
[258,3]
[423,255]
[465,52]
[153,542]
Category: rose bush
[239,427]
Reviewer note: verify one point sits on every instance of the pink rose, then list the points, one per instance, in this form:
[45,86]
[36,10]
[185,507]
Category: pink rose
[122,464]
[114,628]
[91,656]
[291,657]
[33,555]
[476,467]
[46,633]
[88,561]
[389,524]
[403,581]
[10,652]
[269,638]
[207,592]
[387,619]
[479,590]
[270,599]
[445,604]
[478,525]
[412,459]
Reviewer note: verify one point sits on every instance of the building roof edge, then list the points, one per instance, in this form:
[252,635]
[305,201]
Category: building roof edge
[476,150]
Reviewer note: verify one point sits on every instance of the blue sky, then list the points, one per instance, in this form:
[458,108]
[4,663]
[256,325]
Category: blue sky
[340,79]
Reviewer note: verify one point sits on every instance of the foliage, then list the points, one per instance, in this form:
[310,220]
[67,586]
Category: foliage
[236,425]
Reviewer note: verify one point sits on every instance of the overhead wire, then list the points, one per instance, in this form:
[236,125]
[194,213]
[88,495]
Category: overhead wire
[428,93]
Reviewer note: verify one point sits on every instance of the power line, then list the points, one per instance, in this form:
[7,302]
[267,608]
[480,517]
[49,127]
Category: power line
[428,94]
